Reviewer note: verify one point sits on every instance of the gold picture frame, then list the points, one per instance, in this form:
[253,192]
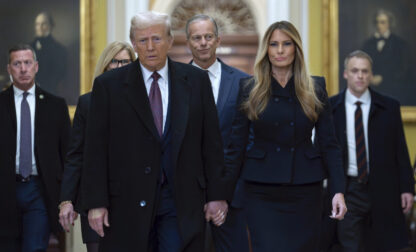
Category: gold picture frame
[330,16]
[92,41]
[86,49]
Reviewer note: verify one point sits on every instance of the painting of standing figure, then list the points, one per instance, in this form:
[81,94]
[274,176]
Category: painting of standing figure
[385,30]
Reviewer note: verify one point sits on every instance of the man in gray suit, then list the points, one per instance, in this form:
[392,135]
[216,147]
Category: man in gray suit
[203,40]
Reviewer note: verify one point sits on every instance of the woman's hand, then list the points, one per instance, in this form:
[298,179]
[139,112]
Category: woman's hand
[67,216]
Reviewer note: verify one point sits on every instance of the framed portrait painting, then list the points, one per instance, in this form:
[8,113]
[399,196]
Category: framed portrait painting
[385,30]
[52,28]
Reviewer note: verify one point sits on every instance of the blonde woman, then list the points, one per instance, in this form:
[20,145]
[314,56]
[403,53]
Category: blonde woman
[116,54]
[282,169]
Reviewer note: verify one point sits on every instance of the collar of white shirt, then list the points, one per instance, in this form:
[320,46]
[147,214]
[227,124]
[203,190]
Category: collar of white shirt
[18,92]
[163,72]
[364,99]
[386,35]
[214,69]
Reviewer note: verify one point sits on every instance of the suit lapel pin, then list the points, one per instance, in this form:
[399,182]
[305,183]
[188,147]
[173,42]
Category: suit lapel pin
[41,96]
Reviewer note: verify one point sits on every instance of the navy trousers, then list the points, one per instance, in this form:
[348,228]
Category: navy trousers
[33,216]
[165,235]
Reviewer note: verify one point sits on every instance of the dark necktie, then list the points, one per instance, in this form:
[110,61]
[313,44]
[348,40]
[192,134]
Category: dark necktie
[360,145]
[155,98]
[25,158]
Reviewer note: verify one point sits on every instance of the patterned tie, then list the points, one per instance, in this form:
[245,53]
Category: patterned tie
[25,158]
[155,99]
[360,145]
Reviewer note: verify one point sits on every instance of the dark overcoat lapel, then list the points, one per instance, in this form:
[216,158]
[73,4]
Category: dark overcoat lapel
[12,109]
[180,91]
[137,96]
[40,113]
[338,108]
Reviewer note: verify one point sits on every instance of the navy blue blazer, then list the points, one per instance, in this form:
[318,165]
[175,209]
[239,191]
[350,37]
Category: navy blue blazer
[227,98]
[282,151]
[226,107]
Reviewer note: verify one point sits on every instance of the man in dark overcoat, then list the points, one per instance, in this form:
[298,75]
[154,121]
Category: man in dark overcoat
[34,131]
[153,151]
[380,184]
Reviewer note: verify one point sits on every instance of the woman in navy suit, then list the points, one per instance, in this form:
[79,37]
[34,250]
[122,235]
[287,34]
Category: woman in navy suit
[115,55]
[283,170]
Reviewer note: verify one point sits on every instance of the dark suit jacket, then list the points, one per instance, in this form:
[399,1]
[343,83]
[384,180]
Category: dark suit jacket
[123,155]
[227,98]
[389,163]
[226,104]
[282,151]
[75,156]
[52,127]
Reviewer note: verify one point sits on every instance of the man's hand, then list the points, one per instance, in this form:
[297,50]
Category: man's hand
[339,209]
[407,202]
[67,216]
[216,211]
[97,217]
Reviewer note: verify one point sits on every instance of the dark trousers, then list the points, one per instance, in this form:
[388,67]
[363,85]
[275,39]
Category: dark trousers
[232,235]
[283,218]
[34,223]
[351,230]
[165,236]
[8,244]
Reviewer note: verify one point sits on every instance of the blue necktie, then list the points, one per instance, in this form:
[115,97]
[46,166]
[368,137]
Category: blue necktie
[25,158]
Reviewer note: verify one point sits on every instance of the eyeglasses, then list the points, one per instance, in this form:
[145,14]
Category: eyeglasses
[207,37]
[115,62]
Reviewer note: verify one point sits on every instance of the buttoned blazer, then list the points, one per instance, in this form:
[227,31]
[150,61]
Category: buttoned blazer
[123,155]
[389,165]
[52,126]
[282,151]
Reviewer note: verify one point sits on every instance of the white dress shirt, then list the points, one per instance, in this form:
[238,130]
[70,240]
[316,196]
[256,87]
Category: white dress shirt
[163,86]
[31,100]
[350,108]
[214,73]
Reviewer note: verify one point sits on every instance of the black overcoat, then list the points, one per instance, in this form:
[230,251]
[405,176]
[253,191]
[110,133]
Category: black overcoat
[389,164]
[52,126]
[123,155]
